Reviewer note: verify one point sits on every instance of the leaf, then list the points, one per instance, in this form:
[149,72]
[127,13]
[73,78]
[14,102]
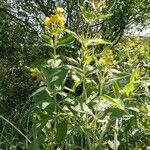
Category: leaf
[41,95]
[55,79]
[77,70]
[43,100]
[72,61]
[66,39]
[83,108]
[102,17]
[48,45]
[147,132]
[39,64]
[116,89]
[61,130]
[43,123]
[54,63]
[143,109]
[134,75]
[73,34]
[97,42]
[46,38]
[116,102]
[87,57]
[128,88]
[117,75]
[133,109]
[115,112]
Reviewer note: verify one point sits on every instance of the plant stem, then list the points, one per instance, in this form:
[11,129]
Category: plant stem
[115,136]
[54,46]
[86,100]
[15,128]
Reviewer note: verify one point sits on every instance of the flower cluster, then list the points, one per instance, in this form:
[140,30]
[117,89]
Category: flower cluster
[57,19]
[35,72]
[106,58]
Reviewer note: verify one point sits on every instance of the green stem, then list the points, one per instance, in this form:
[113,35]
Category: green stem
[55,46]
[115,136]
[86,100]
[88,28]
[15,128]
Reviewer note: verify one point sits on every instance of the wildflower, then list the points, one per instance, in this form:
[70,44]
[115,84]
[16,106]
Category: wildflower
[59,10]
[35,72]
[47,21]
[106,58]
[55,20]
[58,19]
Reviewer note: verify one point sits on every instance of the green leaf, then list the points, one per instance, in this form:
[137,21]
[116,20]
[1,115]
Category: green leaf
[39,64]
[134,75]
[117,75]
[48,45]
[102,17]
[116,112]
[116,89]
[147,132]
[41,95]
[61,130]
[43,123]
[83,108]
[73,34]
[55,79]
[46,38]
[116,102]
[77,70]
[72,61]
[128,88]
[97,42]
[143,109]
[66,39]
[43,100]
[87,57]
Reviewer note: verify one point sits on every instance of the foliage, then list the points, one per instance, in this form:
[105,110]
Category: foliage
[108,105]
[92,93]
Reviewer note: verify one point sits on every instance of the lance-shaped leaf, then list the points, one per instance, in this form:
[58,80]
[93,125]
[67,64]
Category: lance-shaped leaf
[116,89]
[72,61]
[46,38]
[97,42]
[128,88]
[73,34]
[116,102]
[67,39]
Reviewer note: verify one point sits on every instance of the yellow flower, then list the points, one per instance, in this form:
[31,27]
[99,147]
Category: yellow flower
[59,10]
[106,58]
[47,21]
[56,20]
[35,72]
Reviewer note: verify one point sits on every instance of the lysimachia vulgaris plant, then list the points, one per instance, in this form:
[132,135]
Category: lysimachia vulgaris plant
[81,96]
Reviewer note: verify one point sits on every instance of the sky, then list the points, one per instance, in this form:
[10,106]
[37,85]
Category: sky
[145,32]
[142,33]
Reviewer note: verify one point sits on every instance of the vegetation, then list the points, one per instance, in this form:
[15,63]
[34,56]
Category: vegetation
[73,76]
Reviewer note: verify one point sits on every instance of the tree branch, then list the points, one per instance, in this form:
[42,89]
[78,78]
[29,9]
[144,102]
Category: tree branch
[18,20]
[42,7]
